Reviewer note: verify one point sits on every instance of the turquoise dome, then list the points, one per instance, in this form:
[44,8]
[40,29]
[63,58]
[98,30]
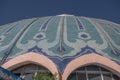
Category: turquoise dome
[61,38]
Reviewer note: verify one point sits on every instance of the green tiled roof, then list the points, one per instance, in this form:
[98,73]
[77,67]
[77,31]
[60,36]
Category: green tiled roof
[61,37]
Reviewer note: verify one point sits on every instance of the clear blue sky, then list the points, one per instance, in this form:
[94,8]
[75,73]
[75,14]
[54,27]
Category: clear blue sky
[14,10]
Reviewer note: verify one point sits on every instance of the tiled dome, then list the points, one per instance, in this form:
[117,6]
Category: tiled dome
[61,38]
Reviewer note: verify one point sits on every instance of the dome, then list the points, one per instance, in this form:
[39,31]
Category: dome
[61,38]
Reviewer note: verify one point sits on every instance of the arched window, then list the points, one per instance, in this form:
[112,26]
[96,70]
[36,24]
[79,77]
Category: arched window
[92,72]
[30,70]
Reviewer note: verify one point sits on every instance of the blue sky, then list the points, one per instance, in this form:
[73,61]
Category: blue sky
[14,10]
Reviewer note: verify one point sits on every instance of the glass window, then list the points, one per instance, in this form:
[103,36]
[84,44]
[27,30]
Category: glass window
[94,76]
[92,72]
[28,77]
[116,77]
[80,69]
[92,68]
[107,77]
[27,71]
[105,70]
[81,76]
[72,76]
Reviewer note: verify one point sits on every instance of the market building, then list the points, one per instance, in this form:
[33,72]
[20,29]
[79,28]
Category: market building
[73,47]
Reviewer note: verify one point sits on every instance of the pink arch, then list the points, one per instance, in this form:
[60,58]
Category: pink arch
[31,57]
[91,59]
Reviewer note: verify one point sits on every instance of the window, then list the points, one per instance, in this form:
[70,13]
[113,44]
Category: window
[29,70]
[92,72]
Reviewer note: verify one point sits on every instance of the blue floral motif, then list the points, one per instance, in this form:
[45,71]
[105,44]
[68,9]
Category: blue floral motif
[35,49]
[39,36]
[84,35]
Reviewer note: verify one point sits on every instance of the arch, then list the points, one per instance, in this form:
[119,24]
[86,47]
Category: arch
[91,59]
[31,57]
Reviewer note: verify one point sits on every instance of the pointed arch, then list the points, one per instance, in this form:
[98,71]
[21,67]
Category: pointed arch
[31,57]
[89,59]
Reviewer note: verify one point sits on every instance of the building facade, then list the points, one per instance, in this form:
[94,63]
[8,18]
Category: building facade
[73,47]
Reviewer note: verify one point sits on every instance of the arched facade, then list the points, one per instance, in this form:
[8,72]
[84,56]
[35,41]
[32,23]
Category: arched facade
[91,59]
[34,58]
